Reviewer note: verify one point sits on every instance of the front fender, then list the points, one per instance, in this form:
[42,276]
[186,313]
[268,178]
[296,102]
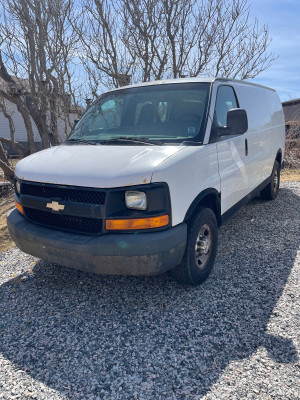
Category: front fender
[188,173]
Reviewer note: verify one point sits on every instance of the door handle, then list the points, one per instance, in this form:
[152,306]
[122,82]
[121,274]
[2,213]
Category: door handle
[246,147]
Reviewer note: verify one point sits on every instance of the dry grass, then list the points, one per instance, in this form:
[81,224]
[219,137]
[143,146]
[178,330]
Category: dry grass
[6,203]
[290,174]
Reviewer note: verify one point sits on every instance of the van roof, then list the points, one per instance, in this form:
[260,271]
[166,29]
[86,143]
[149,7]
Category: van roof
[189,80]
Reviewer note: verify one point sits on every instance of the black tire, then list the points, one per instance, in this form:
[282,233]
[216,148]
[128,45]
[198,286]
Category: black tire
[196,265]
[270,192]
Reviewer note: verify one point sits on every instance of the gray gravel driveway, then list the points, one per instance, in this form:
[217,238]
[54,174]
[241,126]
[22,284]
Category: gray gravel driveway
[69,335]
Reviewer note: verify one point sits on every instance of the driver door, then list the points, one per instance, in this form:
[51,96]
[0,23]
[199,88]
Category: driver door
[232,152]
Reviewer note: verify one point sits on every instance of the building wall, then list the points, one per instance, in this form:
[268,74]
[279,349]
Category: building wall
[291,111]
[20,131]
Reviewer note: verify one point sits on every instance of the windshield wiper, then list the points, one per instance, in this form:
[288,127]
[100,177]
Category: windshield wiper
[191,143]
[140,140]
[81,141]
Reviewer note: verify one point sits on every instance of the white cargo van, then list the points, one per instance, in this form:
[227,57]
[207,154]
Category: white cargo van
[147,175]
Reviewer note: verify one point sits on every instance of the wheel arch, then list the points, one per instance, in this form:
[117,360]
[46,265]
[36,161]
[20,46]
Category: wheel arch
[209,198]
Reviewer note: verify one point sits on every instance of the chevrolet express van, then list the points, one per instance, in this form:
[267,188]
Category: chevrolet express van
[148,175]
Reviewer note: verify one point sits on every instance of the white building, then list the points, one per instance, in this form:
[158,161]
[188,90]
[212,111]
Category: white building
[64,128]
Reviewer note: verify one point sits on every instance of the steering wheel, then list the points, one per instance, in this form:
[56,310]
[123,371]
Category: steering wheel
[189,117]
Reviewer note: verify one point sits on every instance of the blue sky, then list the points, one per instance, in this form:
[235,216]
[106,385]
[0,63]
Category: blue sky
[283,20]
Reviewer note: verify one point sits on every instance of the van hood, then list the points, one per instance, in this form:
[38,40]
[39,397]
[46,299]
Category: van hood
[100,166]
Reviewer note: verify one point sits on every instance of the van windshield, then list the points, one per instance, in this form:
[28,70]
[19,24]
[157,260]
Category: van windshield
[167,113]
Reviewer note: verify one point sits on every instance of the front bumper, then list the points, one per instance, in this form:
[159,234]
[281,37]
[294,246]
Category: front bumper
[149,253]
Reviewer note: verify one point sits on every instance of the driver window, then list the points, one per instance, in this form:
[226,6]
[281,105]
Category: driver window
[226,101]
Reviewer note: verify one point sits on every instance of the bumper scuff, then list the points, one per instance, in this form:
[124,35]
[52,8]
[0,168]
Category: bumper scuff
[148,253]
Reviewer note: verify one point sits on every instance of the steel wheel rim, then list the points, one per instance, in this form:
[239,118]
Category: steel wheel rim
[203,246]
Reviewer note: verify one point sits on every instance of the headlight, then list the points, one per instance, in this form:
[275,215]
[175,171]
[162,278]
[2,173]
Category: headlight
[136,200]
[18,187]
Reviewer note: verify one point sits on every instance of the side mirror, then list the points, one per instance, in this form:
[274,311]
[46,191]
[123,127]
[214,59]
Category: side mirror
[75,121]
[237,122]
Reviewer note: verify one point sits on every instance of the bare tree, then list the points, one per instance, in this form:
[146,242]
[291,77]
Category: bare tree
[6,143]
[36,53]
[292,147]
[10,92]
[102,52]
[143,22]
[158,39]
[5,165]
[53,52]
[17,147]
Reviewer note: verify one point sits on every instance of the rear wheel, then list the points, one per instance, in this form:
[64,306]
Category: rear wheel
[270,192]
[201,248]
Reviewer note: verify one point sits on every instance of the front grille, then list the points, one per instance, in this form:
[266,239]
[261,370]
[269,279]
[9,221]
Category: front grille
[65,222]
[84,195]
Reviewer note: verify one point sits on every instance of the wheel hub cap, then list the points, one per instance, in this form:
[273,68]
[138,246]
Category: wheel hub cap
[203,246]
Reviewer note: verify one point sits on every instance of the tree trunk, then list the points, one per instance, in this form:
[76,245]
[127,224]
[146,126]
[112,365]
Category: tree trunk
[25,115]
[28,125]
[10,123]
[4,164]
[22,152]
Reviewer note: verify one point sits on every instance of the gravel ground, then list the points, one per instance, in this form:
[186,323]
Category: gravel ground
[69,335]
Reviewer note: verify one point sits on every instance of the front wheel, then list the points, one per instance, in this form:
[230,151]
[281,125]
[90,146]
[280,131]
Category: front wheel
[270,192]
[201,248]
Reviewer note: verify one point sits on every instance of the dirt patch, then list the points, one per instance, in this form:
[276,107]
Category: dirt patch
[6,203]
[290,175]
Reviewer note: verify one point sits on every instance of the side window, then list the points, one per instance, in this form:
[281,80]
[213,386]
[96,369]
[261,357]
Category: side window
[162,110]
[226,101]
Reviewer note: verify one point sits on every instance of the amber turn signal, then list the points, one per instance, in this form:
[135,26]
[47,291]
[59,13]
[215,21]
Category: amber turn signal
[19,207]
[138,223]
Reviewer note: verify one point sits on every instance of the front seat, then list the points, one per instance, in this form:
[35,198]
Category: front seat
[146,114]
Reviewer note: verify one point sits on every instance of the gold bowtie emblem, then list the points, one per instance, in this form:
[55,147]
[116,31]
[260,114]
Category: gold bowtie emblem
[55,206]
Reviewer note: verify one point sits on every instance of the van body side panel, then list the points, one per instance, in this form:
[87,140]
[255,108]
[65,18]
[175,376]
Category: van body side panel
[266,132]
[276,138]
[233,170]
[188,173]
[254,101]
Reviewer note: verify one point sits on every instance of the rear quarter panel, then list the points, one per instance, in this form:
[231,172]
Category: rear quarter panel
[276,139]
[266,133]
